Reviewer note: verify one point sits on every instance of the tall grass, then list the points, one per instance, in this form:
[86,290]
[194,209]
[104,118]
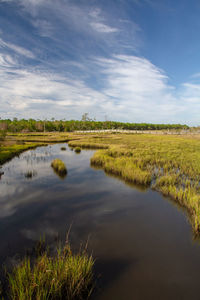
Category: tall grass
[63,276]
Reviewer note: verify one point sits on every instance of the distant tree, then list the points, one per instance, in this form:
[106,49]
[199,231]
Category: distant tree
[85,117]
[2,135]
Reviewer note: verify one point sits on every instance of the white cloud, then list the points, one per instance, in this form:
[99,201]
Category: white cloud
[139,91]
[38,93]
[196,75]
[17,49]
[45,28]
[98,22]
[6,61]
[100,27]
[133,90]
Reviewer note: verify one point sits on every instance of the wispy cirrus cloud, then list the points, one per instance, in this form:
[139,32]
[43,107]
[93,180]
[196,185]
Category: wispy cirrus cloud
[132,88]
[45,28]
[79,58]
[100,27]
[98,23]
[19,50]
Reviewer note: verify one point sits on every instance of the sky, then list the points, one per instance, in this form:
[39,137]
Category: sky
[119,60]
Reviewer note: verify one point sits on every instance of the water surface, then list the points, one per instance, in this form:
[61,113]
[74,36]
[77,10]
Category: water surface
[142,243]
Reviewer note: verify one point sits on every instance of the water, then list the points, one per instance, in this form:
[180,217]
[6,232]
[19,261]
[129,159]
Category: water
[142,243]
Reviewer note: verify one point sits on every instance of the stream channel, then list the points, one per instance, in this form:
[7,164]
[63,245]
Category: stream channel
[142,242]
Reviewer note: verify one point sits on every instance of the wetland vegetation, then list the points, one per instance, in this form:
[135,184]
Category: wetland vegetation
[59,167]
[77,149]
[63,275]
[63,148]
[8,151]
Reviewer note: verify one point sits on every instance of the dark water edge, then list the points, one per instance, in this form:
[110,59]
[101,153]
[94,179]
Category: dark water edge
[141,242]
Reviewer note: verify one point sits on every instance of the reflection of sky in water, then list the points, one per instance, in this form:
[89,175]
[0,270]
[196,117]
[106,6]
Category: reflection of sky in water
[16,189]
[140,240]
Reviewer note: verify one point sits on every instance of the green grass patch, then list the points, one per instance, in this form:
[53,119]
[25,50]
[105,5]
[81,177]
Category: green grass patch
[59,167]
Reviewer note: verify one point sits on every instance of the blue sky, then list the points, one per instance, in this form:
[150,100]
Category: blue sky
[124,60]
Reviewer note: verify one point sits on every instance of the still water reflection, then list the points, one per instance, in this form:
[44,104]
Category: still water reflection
[142,244]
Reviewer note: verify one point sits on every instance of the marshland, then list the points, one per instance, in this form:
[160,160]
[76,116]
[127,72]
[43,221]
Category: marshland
[133,198]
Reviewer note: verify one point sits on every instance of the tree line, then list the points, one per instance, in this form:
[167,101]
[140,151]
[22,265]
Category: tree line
[32,125]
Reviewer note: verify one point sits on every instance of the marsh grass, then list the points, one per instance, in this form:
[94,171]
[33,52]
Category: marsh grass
[7,152]
[59,167]
[62,276]
[87,145]
[47,137]
[77,149]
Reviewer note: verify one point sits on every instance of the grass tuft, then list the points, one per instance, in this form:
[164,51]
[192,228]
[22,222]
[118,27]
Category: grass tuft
[59,167]
[77,150]
[63,148]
